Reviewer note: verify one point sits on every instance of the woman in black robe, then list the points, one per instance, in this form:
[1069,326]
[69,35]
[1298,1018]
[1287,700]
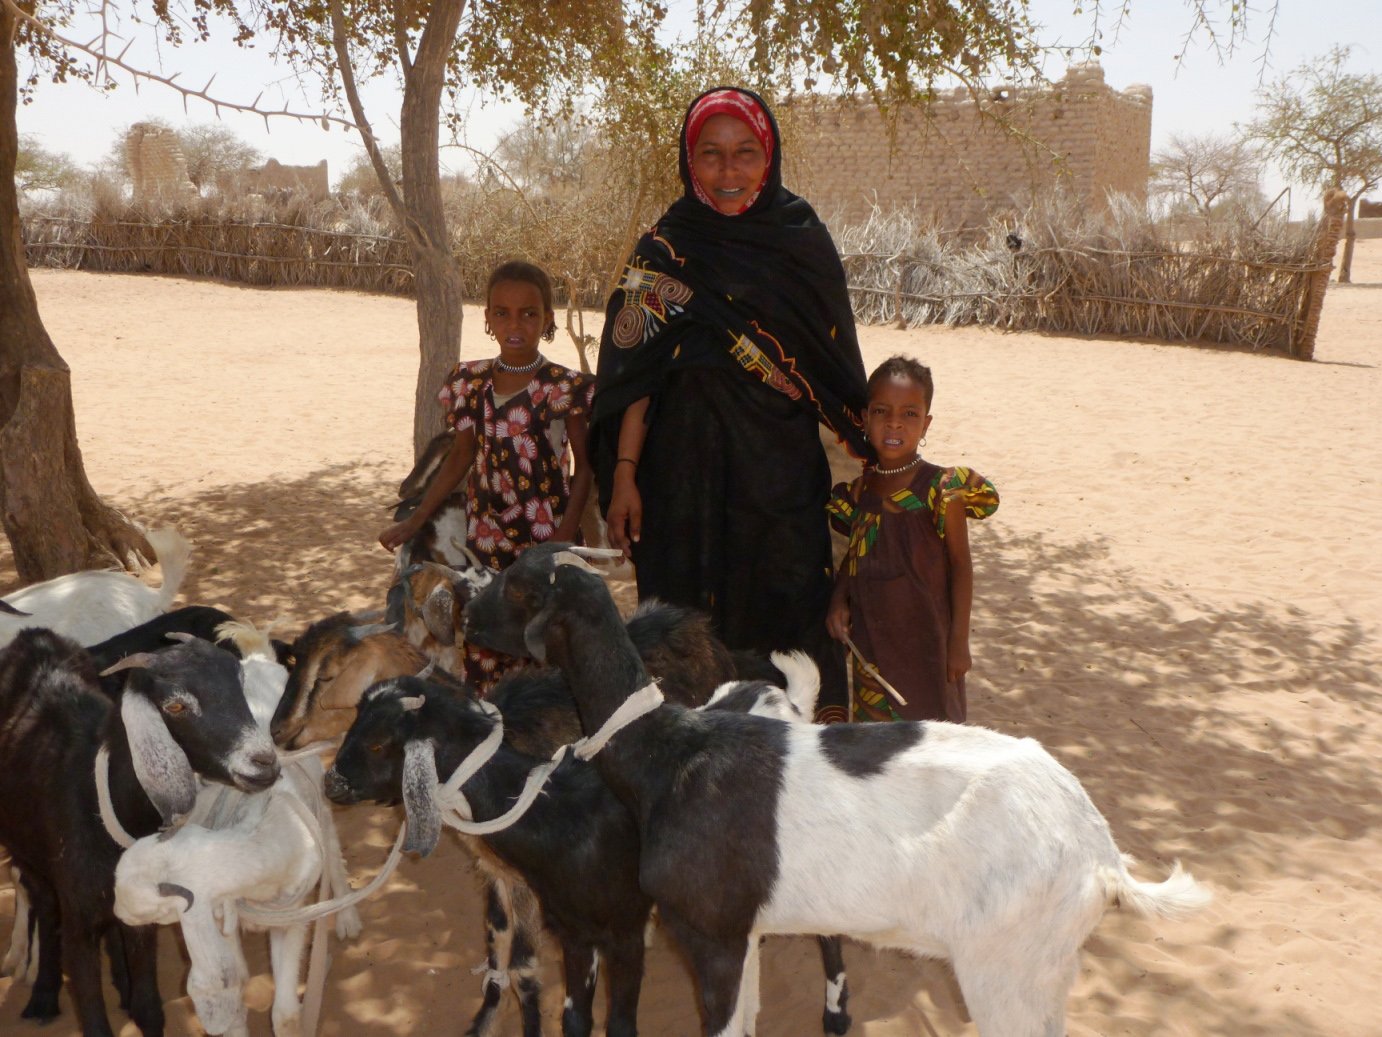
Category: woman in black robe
[728,342]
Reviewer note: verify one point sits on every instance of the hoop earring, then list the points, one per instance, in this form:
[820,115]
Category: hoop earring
[487,331]
[923,441]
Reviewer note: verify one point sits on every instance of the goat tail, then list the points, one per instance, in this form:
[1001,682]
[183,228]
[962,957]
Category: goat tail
[803,679]
[1176,897]
[172,551]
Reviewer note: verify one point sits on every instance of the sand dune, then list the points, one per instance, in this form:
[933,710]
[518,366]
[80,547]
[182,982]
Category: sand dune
[1181,597]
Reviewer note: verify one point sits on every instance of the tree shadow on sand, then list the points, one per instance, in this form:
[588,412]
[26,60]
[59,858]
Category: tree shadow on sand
[292,550]
[1128,684]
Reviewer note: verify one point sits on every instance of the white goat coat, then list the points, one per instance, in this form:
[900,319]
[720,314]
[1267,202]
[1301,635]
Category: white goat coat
[94,605]
[268,848]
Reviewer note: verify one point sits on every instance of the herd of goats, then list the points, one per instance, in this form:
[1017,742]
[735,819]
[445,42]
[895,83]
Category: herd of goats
[167,767]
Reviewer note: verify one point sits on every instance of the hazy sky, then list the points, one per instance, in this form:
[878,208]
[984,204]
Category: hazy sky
[1200,94]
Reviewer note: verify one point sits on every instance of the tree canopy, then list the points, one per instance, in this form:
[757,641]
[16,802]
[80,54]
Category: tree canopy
[1323,125]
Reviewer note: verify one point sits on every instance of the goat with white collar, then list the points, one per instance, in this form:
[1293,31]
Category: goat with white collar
[994,856]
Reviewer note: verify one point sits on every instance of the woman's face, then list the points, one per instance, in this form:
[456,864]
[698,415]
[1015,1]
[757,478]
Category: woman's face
[728,162]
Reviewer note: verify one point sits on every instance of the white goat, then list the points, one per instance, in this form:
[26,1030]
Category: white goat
[268,849]
[96,604]
[989,852]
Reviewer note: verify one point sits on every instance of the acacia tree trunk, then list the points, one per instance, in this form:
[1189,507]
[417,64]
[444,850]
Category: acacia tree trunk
[54,520]
[1350,236]
[437,277]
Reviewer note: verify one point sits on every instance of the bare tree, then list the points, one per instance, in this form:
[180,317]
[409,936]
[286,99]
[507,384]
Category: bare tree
[1323,125]
[1205,171]
[212,150]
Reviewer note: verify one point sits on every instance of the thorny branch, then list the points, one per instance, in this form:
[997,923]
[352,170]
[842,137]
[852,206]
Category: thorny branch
[99,51]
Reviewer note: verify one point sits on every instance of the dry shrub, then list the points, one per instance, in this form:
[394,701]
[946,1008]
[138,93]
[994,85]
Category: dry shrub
[1058,266]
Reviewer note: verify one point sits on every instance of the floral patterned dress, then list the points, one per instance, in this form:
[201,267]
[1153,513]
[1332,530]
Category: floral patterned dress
[520,483]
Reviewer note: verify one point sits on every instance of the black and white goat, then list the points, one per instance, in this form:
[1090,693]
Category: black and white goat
[576,847]
[995,856]
[266,848]
[181,714]
[96,604]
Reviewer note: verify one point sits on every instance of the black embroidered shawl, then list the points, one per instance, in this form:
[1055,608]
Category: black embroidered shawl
[763,291]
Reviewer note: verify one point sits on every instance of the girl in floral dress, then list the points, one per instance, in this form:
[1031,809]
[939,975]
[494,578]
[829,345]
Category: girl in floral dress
[904,591]
[518,417]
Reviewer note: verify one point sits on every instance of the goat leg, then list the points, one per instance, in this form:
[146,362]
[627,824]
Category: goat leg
[624,969]
[718,965]
[139,944]
[581,967]
[286,947]
[497,937]
[119,966]
[45,943]
[835,1019]
[81,954]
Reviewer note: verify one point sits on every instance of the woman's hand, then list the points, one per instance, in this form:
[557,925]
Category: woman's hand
[398,534]
[837,619]
[624,520]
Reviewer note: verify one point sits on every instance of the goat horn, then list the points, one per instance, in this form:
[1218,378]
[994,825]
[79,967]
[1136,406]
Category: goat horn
[369,630]
[5,606]
[172,889]
[412,702]
[183,635]
[470,555]
[594,552]
[129,662]
[571,558]
[444,570]
[427,670]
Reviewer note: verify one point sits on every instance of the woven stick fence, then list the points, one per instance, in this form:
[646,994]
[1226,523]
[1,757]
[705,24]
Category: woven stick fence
[259,253]
[1053,270]
[1050,269]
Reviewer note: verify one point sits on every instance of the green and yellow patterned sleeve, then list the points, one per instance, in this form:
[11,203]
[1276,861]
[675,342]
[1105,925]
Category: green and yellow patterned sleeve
[840,509]
[979,495]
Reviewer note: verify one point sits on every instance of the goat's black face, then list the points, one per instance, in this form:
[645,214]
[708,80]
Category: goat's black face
[198,691]
[499,617]
[369,765]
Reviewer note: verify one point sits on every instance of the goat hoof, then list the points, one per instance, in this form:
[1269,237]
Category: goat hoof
[836,1022]
[42,1006]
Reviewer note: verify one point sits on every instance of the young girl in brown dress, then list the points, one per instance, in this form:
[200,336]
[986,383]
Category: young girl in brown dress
[903,595]
[518,418]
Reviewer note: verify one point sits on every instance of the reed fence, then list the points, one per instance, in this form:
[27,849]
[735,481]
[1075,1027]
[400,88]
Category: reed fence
[1240,284]
[258,253]
[1053,268]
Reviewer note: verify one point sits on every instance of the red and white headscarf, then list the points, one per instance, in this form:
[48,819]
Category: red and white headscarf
[740,106]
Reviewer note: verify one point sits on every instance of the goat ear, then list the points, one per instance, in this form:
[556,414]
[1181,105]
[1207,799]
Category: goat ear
[420,797]
[438,614]
[350,684]
[163,770]
[535,633]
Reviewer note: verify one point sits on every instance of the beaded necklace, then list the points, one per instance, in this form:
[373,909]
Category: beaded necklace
[525,369]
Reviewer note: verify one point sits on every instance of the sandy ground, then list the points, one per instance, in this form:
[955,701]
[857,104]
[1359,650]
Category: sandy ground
[1180,597]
